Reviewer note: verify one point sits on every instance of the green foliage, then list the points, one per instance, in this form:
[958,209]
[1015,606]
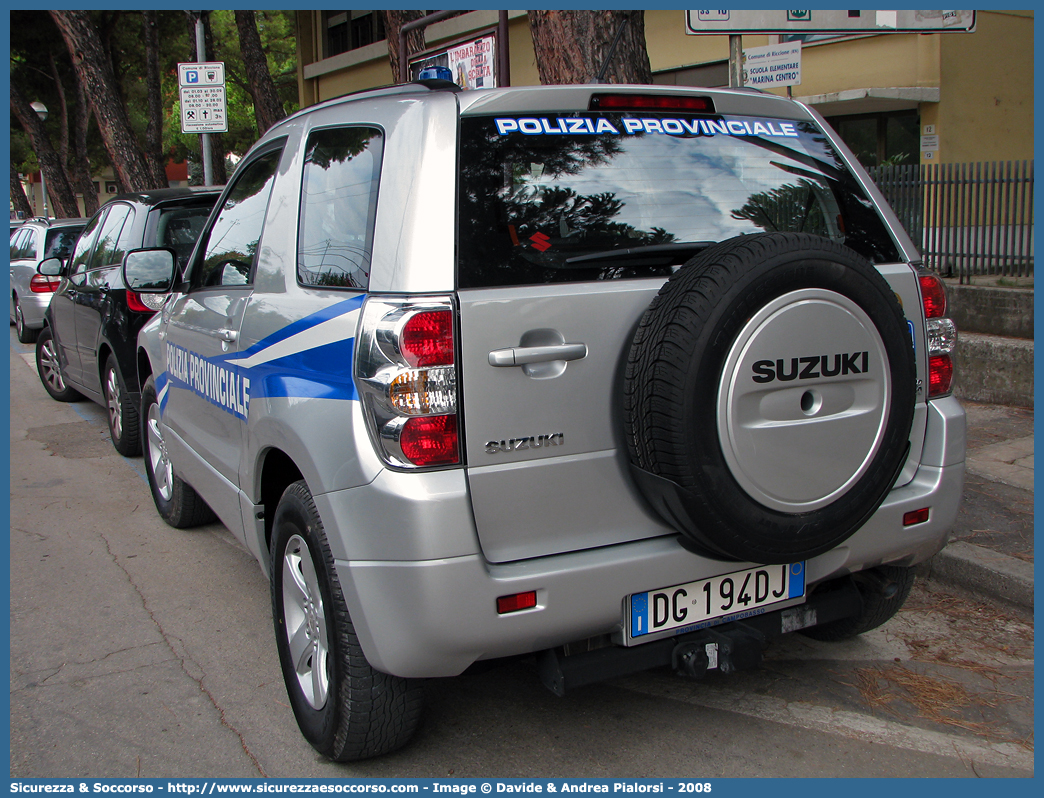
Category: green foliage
[276,29]
[121,31]
[23,159]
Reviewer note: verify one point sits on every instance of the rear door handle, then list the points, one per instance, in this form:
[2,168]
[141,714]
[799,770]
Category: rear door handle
[225,335]
[524,355]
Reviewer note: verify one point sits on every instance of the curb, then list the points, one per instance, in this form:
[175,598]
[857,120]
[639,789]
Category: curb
[983,571]
[994,370]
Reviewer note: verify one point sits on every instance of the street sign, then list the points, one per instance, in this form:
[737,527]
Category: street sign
[829,21]
[203,103]
[772,66]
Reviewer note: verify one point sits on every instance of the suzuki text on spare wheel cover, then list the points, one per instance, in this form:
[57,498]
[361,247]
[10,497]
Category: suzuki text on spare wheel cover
[620,377]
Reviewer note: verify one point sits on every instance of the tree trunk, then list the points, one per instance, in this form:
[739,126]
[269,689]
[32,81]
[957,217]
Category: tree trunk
[63,133]
[154,129]
[81,164]
[18,198]
[94,70]
[267,108]
[60,195]
[590,35]
[393,22]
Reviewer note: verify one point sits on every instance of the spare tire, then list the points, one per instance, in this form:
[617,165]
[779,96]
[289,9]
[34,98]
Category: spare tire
[768,399]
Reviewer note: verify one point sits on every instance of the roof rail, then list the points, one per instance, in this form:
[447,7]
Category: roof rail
[390,89]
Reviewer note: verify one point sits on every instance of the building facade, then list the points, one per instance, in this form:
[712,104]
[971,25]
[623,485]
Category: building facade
[887,95]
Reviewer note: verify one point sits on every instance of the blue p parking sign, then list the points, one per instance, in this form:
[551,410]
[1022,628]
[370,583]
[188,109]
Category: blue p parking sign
[192,77]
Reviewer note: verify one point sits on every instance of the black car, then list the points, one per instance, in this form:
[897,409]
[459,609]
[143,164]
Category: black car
[87,345]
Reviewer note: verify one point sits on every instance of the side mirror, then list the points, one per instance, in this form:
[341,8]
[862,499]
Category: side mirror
[52,267]
[149,271]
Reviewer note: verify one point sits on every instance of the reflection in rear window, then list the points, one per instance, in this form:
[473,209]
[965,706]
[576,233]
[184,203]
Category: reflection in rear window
[596,197]
[60,242]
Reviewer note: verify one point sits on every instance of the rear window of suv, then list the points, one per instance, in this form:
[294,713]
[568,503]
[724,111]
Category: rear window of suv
[60,242]
[547,199]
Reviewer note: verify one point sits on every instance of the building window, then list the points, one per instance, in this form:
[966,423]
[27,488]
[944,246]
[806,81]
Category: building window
[878,139]
[350,30]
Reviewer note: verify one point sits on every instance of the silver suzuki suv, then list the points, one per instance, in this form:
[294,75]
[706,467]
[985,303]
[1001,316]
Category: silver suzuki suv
[619,377]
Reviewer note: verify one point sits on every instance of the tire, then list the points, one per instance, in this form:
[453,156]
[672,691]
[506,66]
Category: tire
[123,414]
[176,501]
[344,707]
[48,366]
[25,334]
[747,455]
[884,591]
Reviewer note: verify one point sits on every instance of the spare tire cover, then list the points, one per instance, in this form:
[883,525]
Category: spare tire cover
[768,399]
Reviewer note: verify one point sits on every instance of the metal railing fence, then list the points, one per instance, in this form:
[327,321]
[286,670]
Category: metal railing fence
[966,219]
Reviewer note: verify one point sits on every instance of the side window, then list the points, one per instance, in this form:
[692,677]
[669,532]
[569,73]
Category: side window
[82,252]
[127,240]
[338,204]
[231,246]
[107,251]
[18,244]
[32,244]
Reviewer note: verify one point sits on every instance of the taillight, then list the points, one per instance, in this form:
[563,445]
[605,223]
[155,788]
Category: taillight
[430,441]
[942,335]
[427,339]
[933,293]
[940,375]
[44,284]
[135,302]
[405,369]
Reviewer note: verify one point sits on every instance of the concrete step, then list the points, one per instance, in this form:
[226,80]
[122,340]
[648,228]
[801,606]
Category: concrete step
[994,369]
[991,309]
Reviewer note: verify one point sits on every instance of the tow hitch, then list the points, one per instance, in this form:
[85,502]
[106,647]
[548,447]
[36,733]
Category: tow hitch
[730,650]
[727,648]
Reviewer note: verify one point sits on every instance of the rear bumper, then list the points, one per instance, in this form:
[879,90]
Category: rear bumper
[33,308]
[436,617]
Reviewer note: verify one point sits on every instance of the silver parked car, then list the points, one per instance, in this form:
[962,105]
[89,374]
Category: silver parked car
[621,377]
[34,242]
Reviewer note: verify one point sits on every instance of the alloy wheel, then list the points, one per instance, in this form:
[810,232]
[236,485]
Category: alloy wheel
[114,402]
[162,471]
[52,371]
[305,622]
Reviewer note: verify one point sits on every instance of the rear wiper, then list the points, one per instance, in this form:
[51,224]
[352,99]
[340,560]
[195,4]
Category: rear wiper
[651,254]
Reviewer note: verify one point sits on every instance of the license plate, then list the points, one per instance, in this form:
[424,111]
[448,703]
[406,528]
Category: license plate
[729,596]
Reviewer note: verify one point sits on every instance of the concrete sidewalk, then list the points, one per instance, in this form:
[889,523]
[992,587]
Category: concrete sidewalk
[991,548]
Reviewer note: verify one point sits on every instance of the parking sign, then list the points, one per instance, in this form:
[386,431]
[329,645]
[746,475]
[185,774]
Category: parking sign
[203,102]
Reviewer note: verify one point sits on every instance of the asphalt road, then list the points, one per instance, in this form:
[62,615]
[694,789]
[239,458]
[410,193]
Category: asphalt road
[141,650]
